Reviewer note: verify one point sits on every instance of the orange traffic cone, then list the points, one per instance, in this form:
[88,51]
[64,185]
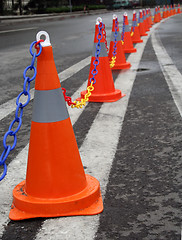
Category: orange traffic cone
[150,17]
[168,11]
[135,35]
[146,27]
[104,90]
[174,9]
[164,14]
[179,9]
[156,16]
[56,184]
[159,13]
[126,36]
[141,24]
[171,10]
[116,47]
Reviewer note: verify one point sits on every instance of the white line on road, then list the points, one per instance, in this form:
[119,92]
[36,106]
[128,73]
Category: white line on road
[17,30]
[172,75]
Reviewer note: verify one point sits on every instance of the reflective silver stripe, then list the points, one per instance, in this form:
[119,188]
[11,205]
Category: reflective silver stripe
[118,38]
[49,106]
[103,51]
[127,28]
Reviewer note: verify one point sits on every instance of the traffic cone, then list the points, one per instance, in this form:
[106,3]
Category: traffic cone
[141,24]
[150,17]
[168,11]
[156,16]
[120,62]
[164,15]
[146,27]
[159,13]
[174,9]
[56,184]
[135,35]
[126,36]
[104,90]
[171,10]
[179,9]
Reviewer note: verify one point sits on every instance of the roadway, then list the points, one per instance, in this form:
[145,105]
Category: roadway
[132,146]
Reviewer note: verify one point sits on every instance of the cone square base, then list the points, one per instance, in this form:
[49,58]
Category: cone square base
[131,50]
[104,97]
[86,202]
[120,66]
[137,41]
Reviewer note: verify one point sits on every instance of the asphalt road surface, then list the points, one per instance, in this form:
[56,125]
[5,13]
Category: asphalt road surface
[132,146]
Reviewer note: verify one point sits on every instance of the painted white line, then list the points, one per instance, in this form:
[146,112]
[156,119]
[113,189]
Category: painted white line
[10,106]
[172,75]
[97,154]
[17,30]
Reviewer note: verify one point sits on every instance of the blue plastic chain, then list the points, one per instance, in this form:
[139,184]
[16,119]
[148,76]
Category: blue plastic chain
[123,30]
[97,53]
[19,109]
[135,22]
[115,37]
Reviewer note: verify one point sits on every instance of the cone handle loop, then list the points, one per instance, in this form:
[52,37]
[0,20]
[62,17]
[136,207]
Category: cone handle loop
[98,20]
[46,42]
[115,16]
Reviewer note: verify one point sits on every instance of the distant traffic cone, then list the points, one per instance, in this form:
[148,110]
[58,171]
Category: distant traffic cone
[168,11]
[159,13]
[104,90]
[164,14]
[174,9]
[55,184]
[135,35]
[120,61]
[126,36]
[150,17]
[141,24]
[179,9]
[171,10]
[147,18]
[145,21]
[156,15]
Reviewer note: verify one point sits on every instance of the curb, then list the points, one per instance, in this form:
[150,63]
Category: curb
[11,20]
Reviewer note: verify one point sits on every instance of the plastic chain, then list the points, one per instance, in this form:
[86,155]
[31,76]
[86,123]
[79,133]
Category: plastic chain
[90,88]
[112,63]
[135,22]
[105,37]
[19,108]
[123,30]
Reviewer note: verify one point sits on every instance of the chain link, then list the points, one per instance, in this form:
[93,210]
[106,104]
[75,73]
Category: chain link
[94,72]
[19,108]
[134,24]
[123,30]
[105,37]
[113,61]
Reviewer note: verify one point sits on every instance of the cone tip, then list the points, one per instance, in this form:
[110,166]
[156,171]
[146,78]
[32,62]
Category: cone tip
[125,14]
[134,11]
[46,42]
[98,20]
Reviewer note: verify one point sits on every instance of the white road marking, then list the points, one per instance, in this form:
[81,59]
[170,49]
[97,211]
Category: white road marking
[10,106]
[172,75]
[17,30]
[97,154]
